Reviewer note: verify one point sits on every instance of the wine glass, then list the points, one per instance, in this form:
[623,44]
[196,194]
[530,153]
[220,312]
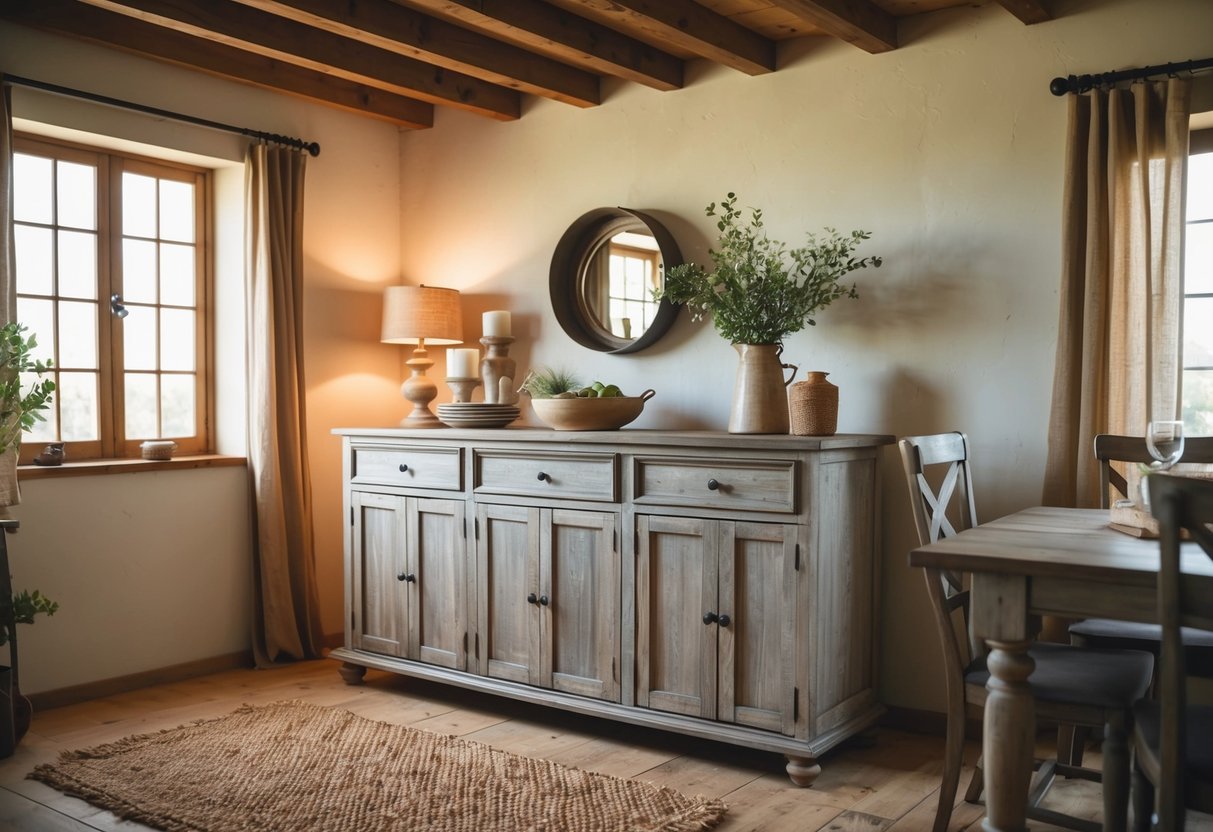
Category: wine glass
[1165,441]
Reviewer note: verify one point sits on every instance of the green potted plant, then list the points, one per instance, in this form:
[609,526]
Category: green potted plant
[759,292]
[22,401]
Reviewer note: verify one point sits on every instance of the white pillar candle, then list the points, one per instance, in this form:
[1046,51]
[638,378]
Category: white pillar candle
[497,322]
[462,363]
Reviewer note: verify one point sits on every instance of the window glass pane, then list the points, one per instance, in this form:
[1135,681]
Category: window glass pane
[78,335]
[139,338]
[77,186]
[634,280]
[1198,258]
[176,339]
[43,431]
[1198,402]
[34,259]
[177,405]
[39,317]
[140,406]
[1200,186]
[1198,332]
[139,271]
[77,264]
[177,274]
[138,205]
[32,176]
[177,210]
[77,394]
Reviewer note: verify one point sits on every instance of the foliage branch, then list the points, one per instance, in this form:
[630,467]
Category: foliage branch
[759,291]
[20,409]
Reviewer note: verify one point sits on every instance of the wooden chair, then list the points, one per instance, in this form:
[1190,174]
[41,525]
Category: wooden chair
[1131,635]
[1075,685]
[1173,741]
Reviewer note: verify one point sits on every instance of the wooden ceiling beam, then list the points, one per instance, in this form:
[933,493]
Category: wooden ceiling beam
[276,37]
[692,27]
[1028,11]
[859,22]
[410,33]
[565,36]
[71,19]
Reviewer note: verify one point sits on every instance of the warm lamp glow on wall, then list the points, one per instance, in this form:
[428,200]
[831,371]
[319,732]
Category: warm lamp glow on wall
[421,315]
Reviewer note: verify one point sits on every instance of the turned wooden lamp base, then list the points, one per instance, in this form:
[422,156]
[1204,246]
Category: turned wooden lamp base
[420,391]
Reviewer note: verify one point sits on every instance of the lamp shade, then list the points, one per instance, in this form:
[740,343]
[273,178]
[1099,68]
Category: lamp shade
[414,313]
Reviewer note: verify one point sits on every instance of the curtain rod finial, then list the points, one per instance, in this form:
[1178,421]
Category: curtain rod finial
[1059,86]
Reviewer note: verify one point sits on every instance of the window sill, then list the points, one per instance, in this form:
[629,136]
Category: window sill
[101,467]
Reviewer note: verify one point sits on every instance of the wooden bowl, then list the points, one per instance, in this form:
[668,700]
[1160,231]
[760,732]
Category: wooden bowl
[590,414]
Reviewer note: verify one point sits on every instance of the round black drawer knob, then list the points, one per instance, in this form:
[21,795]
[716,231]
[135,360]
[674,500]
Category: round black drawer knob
[532,599]
[403,468]
[713,485]
[543,599]
[544,477]
[724,620]
[709,618]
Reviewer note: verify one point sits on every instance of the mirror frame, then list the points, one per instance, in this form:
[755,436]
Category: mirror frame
[570,260]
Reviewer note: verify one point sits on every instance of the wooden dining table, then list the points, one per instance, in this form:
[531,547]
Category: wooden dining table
[1045,561]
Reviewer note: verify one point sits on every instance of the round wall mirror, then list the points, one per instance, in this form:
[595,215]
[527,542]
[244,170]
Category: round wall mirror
[604,271]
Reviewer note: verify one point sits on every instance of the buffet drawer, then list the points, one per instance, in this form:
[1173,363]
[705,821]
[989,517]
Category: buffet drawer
[407,466]
[570,476]
[703,482]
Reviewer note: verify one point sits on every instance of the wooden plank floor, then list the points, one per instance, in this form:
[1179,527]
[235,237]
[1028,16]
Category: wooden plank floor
[885,782]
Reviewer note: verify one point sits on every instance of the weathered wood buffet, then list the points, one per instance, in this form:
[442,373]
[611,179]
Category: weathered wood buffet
[719,585]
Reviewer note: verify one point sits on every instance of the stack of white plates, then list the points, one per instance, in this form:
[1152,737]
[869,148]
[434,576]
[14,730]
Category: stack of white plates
[477,414]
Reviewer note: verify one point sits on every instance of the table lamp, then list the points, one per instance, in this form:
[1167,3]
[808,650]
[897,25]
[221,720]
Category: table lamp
[421,315]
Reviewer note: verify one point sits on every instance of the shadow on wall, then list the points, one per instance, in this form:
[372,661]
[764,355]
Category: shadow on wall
[345,314]
[909,305]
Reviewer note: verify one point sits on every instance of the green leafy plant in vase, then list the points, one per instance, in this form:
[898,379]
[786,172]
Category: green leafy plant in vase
[758,292]
[23,397]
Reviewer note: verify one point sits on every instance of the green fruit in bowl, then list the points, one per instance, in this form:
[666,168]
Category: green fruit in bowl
[598,387]
[611,390]
[587,392]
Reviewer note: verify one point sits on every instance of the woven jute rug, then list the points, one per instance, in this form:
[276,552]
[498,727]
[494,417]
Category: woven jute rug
[301,767]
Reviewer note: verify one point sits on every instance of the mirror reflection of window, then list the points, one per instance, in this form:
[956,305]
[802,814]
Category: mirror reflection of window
[635,272]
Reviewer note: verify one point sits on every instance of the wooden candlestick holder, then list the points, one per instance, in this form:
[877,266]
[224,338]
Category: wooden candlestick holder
[462,388]
[498,370]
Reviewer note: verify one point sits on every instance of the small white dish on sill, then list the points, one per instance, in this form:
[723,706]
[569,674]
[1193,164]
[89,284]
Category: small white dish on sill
[158,449]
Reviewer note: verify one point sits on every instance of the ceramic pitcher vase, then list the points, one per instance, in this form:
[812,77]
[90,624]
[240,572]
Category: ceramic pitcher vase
[760,396]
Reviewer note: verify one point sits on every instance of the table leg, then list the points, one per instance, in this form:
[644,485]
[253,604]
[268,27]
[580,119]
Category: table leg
[1010,732]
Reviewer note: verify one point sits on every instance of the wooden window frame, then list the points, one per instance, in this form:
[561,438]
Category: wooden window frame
[110,166]
[1199,142]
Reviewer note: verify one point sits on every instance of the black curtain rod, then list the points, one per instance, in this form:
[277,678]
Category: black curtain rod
[1085,83]
[299,144]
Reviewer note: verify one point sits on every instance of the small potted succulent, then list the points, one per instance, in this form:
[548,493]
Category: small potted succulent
[758,293]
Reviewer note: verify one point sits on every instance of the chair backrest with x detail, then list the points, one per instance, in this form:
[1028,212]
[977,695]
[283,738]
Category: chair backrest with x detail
[931,507]
[932,520]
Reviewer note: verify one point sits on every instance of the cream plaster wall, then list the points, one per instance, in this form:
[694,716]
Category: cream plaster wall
[153,569]
[948,149]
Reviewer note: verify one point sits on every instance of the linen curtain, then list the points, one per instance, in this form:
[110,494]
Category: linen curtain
[1118,348]
[286,623]
[10,494]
